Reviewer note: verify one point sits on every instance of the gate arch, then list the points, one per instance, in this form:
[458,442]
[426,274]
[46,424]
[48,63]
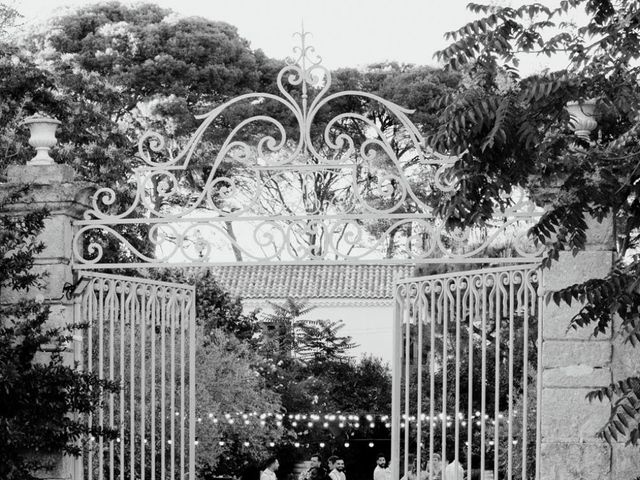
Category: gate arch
[293,142]
[391,180]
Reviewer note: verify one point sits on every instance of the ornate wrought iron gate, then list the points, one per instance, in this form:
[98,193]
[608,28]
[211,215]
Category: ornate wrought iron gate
[465,371]
[316,185]
[141,333]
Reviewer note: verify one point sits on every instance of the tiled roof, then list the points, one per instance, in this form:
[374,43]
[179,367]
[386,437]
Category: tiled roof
[311,281]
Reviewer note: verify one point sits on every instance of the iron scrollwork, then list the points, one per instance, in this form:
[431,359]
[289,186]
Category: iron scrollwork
[377,199]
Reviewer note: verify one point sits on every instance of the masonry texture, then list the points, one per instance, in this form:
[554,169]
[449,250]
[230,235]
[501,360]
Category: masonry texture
[575,362]
[52,187]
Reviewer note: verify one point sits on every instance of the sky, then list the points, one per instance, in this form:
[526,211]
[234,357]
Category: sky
[345,33]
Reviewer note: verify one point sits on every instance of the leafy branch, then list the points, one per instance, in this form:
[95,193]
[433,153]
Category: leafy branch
[623,421]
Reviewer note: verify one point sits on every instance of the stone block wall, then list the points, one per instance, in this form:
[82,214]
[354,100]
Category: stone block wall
[52,186]
[575,362]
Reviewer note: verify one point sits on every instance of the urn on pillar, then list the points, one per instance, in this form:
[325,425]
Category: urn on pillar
[43,137]
[582,115]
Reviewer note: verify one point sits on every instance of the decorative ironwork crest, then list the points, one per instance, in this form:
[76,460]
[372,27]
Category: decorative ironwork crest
[302,175]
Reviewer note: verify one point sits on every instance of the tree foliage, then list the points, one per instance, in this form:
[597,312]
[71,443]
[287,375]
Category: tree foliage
[42,393]
[228,380]
[514,132]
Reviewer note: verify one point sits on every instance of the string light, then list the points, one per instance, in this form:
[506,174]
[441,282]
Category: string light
[349,420]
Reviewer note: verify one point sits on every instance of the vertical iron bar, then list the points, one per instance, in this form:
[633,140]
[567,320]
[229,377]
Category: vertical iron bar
[112,313]
[539,373]
[525,370]
[396,385]
[496,412]
[142,320]
[510,410]
[78,317]
[153,310]
[192,385]
[172,386]
[163,383]
[132,380]
[418,313]
[101,315]
[445,338]
[125,298]
[458,285]
[471,312]
[407,365]
[183,317]
[483,399]
[432,375]
[91,319]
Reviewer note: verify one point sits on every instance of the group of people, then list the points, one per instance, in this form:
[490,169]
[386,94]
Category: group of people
[317,471]
[435,469]
[334,470]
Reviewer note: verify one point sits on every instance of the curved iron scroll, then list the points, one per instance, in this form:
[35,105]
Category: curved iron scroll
[382,185]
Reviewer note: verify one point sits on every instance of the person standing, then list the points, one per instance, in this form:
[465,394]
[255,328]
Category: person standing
[271,466]
[331,462]
[381,472]
[454,471]
[338,470]
[435,466]
[315,461]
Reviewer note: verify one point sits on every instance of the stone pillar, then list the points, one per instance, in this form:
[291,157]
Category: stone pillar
[573,363]
[625,362]
[52,186]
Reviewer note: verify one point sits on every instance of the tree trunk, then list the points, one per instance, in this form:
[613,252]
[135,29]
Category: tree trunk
[237,253]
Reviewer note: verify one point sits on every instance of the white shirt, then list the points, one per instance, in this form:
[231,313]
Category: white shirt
[454,471]
[336,475]
[380,473]
[268,475]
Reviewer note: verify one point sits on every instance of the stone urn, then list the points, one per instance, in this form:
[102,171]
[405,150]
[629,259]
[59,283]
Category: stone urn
[582,115]
[43,137]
